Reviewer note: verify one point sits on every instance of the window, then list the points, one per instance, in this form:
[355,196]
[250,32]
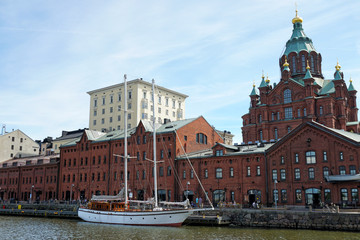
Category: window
[282,174]
[278,115]
[168,171]
[159,99]
[218,173]
[282,160]
[325,171]
[95,112]
[143,174]
[288,129]
[201,138]
[303,64]
[288,113]
[325,156]
[161,171]
[219,153]
[342,170]
[341,155]
[287,96]
[206,173]
[191,174]
[119,97]
[129,115]
[321,110]
[352,170]
[296,158]
[129,95]
[276,133]
[310,157]
[261,135]
[293,64]
[260,118]
[327,195]
[119,108]
[103,100]
[258,172]
[110,120]
[311,173]
[312,63]
[354,195]
[298,197]
[344,194]
[95,102]
[283,195]
[304,112]
[111,99]
[297,173]
[248,171]
[272,116]
[144,155]
[274,174]
[231,172]
[184,174]
[299,112]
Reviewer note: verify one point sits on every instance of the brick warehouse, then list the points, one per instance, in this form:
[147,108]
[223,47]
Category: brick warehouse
[301,147]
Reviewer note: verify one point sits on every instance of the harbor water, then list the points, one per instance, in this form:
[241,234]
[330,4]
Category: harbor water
[50,228]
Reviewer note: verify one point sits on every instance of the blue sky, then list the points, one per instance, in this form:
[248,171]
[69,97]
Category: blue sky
[53,52]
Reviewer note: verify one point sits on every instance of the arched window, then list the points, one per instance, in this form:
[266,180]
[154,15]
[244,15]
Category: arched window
[287,96]
[321,110]
[312,63]
[299,112]
[276,133]
[303,65]
[304,112]
[261,135]
[294,64]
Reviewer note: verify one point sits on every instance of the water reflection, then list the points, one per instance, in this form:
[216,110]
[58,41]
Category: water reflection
[45,228]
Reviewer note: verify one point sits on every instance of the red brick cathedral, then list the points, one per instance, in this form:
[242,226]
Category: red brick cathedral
[301,147]
[301,95]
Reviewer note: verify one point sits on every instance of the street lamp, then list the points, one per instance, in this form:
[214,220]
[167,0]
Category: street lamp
[275,196]
[71,191]
[187,190]
[31,193]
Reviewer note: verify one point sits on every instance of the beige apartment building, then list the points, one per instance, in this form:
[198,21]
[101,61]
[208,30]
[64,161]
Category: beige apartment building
[17,144]
[107,105]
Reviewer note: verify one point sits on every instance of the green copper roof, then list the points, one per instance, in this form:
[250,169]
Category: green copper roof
[308,74]
[263,83]
[253,92]
[328,87]
[298,41]
[338,75]
[351,87]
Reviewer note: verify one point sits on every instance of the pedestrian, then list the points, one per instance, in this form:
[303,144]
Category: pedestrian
[197,202]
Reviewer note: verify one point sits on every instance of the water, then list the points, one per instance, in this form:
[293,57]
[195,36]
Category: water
[45,228]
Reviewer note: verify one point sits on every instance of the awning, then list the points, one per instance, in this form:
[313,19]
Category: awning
[343,178]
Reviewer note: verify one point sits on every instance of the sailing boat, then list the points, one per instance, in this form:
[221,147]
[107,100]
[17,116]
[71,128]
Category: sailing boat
[112,209]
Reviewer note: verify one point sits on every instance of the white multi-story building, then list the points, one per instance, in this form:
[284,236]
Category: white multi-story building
[17,144]
[107,105]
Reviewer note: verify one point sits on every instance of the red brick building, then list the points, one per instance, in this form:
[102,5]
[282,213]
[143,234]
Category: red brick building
[30,179]
[93,164]
[302,94]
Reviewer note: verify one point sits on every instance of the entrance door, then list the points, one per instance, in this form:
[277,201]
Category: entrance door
[140,194]
[312,197]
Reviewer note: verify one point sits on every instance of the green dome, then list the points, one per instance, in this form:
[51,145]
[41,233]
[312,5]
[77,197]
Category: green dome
[299,41]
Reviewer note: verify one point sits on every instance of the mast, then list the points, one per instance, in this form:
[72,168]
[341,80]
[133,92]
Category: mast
[154,145]
[125,141]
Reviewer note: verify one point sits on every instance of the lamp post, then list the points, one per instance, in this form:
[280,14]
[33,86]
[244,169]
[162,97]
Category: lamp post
[187,190]
[275,191]
[71,191]
[31,191]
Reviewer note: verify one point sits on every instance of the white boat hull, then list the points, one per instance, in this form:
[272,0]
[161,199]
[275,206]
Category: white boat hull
[149,218]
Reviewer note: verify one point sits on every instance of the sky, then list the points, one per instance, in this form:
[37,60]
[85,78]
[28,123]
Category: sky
[53,52]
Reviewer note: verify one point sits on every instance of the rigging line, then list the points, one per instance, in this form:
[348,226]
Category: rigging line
[175,173]
[192,167]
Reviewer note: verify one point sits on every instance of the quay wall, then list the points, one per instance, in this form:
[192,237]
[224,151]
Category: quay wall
[342,221]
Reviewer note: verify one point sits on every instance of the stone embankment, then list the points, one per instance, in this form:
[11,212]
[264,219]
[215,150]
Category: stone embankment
[40,210]
[341,221]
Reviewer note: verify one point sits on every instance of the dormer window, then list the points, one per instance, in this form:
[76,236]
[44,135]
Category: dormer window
[219,153]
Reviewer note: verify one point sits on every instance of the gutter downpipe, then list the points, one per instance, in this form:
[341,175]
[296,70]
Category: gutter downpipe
[266,179]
